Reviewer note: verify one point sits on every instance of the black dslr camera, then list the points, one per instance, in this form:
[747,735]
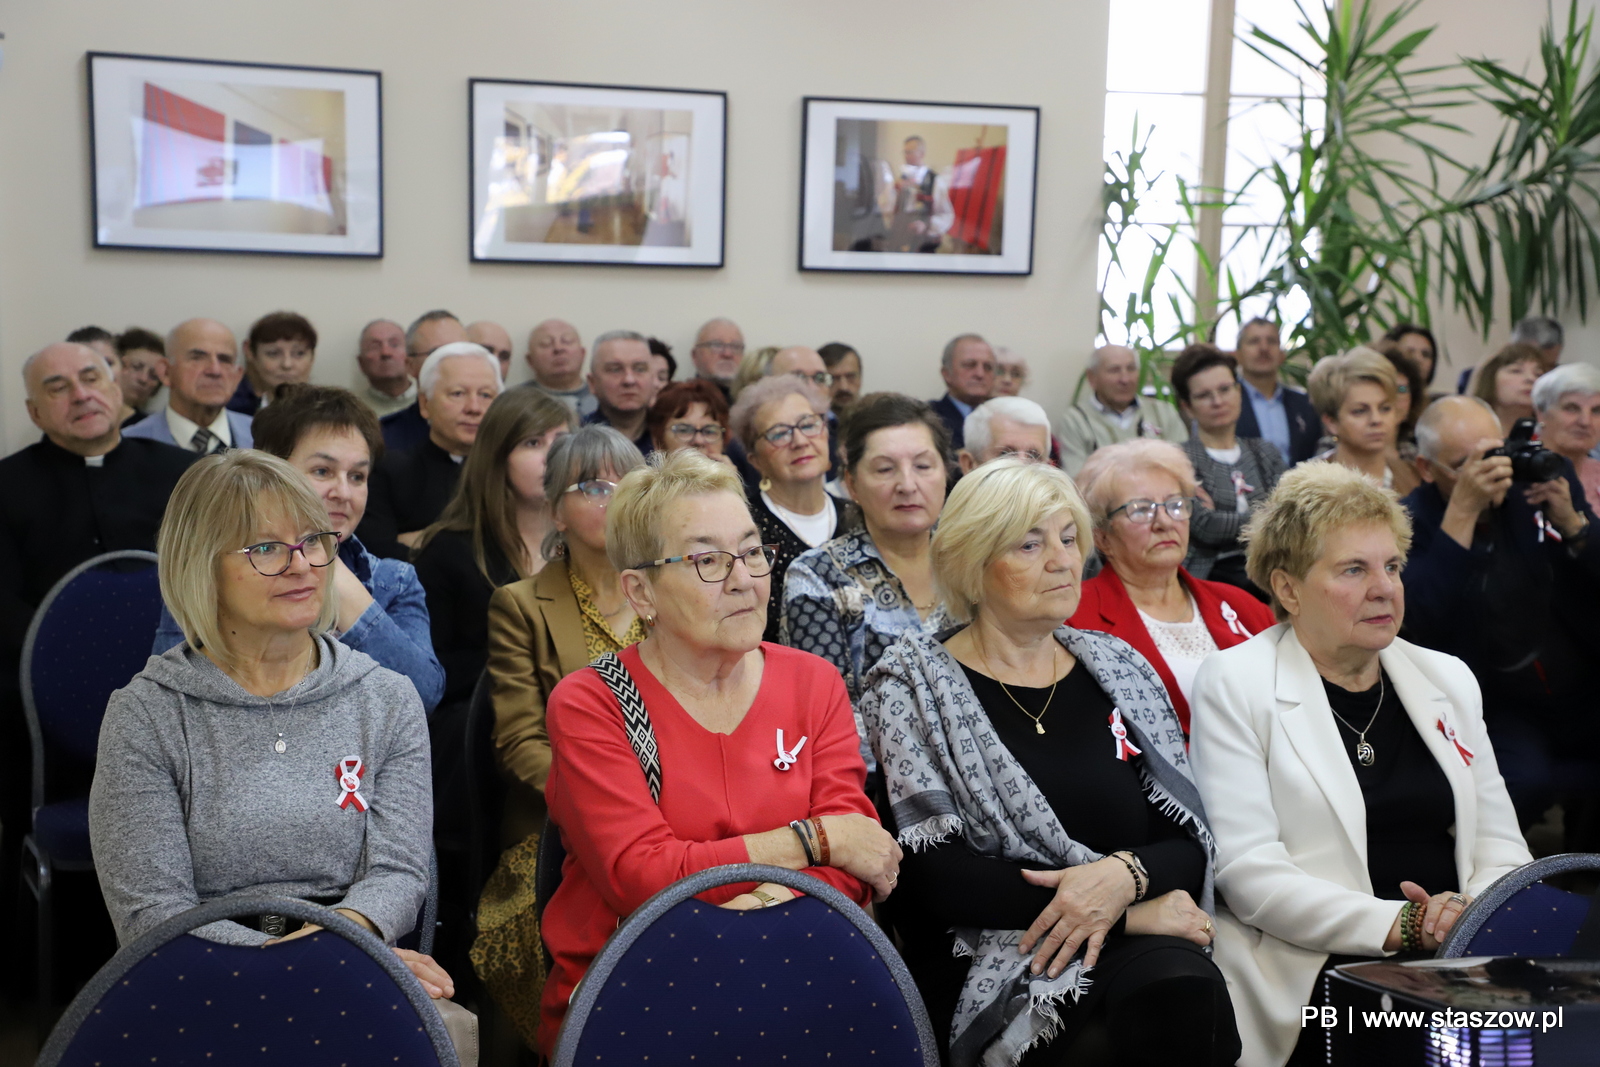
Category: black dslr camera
[1530,461]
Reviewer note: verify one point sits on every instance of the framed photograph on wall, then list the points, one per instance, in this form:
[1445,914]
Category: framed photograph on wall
[565,173]
[212,156]
[889,185]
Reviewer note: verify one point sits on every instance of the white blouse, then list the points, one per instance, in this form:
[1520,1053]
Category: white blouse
[1184,645]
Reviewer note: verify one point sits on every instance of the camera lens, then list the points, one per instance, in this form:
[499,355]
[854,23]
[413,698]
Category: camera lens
[1535,464]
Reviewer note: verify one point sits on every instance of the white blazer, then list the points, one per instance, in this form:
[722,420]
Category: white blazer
[1291,827]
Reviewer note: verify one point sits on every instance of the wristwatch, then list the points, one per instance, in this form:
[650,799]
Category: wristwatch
[766,898]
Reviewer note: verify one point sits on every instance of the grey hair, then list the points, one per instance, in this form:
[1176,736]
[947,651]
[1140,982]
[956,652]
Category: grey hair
[761,392]
[616,335]
[975,428]
[428,377]
[718,321]
[1428,426]
[1567,378]
[587,452]
[1096,357]
[391,322]
[28,363]
[948,359]
[422,320]
[1539,331]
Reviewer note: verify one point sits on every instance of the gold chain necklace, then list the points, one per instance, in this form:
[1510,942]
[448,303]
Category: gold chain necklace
[1037,725]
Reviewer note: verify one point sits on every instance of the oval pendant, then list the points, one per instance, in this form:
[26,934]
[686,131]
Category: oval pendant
[279,747]
[1039,726]
[1364,752]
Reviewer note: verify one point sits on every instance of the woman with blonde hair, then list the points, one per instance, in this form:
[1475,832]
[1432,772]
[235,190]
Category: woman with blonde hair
[1353,792]
[1357,393]
[1039,782]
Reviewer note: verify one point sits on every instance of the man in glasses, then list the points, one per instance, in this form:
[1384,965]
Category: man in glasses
[1005,426]
[408,428]
[1114,410]
[718,350]
[493,336]
[622,378]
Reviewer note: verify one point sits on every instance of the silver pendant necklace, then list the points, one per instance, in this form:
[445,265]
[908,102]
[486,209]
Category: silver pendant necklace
[280,746]
[1364,750]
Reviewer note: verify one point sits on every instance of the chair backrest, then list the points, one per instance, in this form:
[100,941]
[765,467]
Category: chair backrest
[420,939]
[91,634]
[1521,916]
[811,981]
[336,996]
[547,865]
[485,788]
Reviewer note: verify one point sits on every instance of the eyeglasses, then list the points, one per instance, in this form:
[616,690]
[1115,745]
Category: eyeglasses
[272,558]
[736,347]
[714,565]
[821,377]
[1143,511]
[780,435]
[593,489]
[711,431]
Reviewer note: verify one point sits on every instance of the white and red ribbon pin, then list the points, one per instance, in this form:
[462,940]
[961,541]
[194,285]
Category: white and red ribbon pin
[1231,617]
[1462,750]
[1125,747]
[786,757]
[349,772]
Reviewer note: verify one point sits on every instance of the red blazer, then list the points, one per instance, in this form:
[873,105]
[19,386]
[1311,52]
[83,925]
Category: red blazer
[1107,607]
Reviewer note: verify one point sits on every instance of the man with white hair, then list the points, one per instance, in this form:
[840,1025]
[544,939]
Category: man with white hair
[410,488]
[1114,411]
[201,370]
[1004,426]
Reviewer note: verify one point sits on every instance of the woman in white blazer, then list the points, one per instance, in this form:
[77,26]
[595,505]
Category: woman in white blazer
[1353,794]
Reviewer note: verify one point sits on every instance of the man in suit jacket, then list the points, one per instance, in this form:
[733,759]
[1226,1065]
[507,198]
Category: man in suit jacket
[1114,411]
[407,428]
[967,367]
[201,370]
[1271,409]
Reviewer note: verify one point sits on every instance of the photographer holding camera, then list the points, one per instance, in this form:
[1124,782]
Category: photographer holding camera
[1505,573]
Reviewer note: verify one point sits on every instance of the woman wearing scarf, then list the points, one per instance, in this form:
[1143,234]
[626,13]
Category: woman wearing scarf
[1054,894]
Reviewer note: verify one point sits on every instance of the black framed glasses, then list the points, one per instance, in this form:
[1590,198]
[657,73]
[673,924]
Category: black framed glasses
[593,489]
[714,565]
[1143,511]
[711,431]
[780,435]
[821,377]
[272,558]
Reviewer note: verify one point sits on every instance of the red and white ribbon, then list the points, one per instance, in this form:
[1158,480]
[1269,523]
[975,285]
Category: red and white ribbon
[1546,527]
[1240,486]
[1462,750]
[786,757]
[1231,617]
[349,772]
[1125,747]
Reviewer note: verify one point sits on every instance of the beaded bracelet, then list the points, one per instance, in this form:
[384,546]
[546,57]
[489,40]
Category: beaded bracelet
[1131,862]
[822,840]
[1410,926]
[802,830]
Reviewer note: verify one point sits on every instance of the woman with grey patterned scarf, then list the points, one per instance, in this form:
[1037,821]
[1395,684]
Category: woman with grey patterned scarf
[1053,900]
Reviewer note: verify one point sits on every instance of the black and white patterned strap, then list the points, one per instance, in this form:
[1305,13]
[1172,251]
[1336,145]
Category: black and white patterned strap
[640,734]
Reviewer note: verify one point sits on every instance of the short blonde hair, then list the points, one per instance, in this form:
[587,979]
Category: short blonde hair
[989,511]
[1332,378]
[219,505]
[633,521]
[1288,532]
[1098,477]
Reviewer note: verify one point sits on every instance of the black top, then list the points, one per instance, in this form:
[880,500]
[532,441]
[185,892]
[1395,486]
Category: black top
[1410,808]
[458,605]
[405,429]
[643,443]
[774,531]
[408,492]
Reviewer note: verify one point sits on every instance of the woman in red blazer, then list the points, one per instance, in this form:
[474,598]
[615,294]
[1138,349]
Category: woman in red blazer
[1141,494]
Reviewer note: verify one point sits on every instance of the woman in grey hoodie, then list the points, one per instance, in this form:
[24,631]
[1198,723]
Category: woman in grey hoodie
[261,755]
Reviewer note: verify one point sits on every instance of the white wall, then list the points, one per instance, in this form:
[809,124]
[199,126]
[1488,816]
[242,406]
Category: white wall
[766,55]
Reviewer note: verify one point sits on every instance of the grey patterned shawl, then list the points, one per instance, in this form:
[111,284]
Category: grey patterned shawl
[947,772]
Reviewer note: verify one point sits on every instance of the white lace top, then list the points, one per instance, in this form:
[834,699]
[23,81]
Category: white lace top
[1184,645]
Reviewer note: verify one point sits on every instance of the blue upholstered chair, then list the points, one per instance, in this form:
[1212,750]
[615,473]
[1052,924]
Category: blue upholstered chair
[91,635]
[1521,916]
[338,996]
[810,981]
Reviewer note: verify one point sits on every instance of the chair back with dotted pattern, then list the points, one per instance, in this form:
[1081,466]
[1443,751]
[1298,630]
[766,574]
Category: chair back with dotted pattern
[1519,915]
[335,997]
[810,981]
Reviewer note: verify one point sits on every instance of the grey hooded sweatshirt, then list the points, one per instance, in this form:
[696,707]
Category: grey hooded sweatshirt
[191,800]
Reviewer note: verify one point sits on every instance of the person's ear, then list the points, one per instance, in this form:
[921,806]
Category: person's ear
[640,593]
[1424,469]
[1186,411]
[163,371]
[1330,427]
[1286,590]
[422,404]
[1102,534]
[966,460]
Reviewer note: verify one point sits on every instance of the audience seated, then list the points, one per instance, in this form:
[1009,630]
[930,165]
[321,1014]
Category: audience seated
[1567,403]
[1505,574]
[693,566]
[262,755]
[140,350]
[1235,473]
[1542,333]
[104,343]
[1114,411]
[1272,410]
[1010,373]
[967,367]
[1037,826]
[1141,497]
[280,348]
[493,336]
[1416,343]
[201,371]
[330,437]
[1353,793]
[844,363]
[381,356]
[1410,401]
[410,488]
[407,428]
[555,355]
[1355,393]
[752,368]
[1505,383]
[662,362]
[623,383]
[806,364]
[718,348]
[1005,426]
[691,414]
[782,423]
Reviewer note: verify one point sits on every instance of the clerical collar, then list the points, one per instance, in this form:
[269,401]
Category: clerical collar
[94,461]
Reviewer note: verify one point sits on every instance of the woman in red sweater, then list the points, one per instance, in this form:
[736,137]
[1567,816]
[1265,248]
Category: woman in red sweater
[1141,495]
[759,760]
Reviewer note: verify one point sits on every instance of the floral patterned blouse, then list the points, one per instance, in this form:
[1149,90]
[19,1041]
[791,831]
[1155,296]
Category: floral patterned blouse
[598,636]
